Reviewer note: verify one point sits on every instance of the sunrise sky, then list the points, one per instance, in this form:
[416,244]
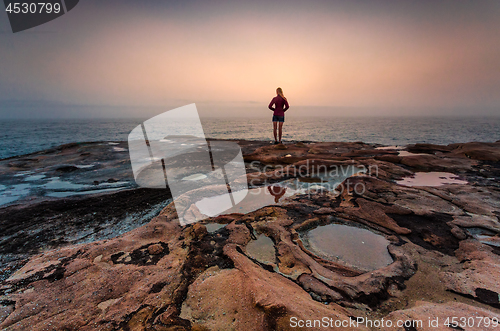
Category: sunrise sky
[121,58]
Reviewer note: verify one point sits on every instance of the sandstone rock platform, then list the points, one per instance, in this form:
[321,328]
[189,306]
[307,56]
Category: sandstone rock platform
[65,268]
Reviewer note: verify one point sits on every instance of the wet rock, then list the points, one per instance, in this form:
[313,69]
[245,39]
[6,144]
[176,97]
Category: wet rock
[66,168]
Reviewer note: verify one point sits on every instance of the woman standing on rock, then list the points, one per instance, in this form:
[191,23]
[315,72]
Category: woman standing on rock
[280,107]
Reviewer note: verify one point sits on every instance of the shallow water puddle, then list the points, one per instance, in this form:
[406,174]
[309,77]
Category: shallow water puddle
[56,183]
[431,179]
[13,193]
[214,227]
[485,236]
[195,177]
[406,153]
[33,178]
[400,150]
[390,147]
[262,249]
[53,187]
[328,180]
[85,166]
[23,173]
[246,201]
[354,246]
[64,194]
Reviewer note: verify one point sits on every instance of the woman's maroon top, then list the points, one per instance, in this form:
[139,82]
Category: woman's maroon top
[281,106]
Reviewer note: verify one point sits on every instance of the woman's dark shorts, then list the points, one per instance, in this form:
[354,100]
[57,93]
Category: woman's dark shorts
[278,118]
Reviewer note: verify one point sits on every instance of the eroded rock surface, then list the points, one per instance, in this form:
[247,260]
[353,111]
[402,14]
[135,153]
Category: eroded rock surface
[161,276]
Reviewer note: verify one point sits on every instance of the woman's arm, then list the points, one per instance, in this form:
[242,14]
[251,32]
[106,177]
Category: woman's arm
[271,105]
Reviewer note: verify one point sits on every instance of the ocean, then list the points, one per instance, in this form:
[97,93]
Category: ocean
[18,137]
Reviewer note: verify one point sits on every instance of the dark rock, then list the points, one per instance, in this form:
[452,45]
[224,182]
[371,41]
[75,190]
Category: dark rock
[428,148]
[67,168]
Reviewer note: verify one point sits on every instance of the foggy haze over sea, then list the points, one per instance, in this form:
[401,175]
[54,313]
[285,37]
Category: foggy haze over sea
[124,58]
[20,137]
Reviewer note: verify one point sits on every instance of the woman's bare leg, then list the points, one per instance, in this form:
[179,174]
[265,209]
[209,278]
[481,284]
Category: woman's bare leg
[275,126]
[281,130]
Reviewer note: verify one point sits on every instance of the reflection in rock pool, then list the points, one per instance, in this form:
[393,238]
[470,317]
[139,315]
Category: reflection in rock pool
[431,179]
[485,236]
[214,227]
[350,245]
[406,153]
[262,250]
[195,177]
[256,198]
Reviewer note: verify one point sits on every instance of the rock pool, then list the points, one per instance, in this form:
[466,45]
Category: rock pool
[349,245]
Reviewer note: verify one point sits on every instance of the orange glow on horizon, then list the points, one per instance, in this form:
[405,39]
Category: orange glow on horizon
[320,58]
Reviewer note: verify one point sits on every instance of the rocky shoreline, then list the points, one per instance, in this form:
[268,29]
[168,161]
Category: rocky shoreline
[81,252]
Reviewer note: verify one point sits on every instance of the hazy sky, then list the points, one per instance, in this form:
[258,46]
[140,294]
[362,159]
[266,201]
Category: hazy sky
[140,58]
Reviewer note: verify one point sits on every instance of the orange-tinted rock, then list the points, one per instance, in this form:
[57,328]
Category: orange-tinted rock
[325,293]
[279,298]
[478,151]
[165,277]
[221,299]
[480,277]
[436,163]
[370,212]
[72,291]
[155,249]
